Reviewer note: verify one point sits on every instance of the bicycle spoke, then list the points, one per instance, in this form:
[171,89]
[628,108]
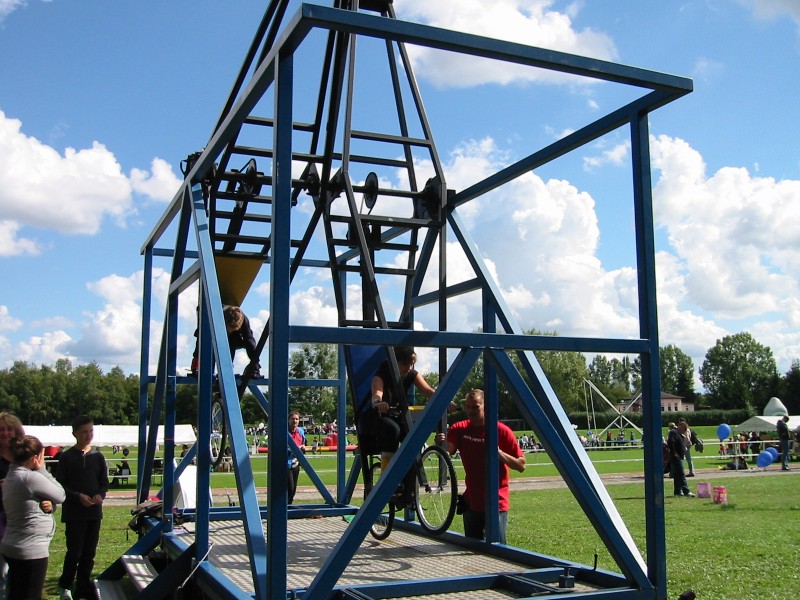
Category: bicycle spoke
[436,490]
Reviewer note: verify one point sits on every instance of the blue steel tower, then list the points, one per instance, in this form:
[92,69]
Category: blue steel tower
[286,139]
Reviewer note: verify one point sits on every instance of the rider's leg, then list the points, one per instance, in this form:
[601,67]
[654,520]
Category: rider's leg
[386,457]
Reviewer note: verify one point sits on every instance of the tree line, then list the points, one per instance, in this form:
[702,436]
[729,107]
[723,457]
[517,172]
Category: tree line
[738,373]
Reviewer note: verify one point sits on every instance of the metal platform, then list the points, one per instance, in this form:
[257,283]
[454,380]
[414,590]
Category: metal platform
[404,556]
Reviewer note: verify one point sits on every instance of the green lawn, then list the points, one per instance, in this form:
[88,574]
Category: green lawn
[746,549]
[625,459]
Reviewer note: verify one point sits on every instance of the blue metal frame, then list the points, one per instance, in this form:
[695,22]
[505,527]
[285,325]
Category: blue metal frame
[192,210]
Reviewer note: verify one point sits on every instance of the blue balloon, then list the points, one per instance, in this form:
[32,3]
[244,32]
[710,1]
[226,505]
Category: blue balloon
[723,432]
[764,459]
[773,453]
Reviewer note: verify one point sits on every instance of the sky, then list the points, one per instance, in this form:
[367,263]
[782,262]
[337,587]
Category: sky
[100,102]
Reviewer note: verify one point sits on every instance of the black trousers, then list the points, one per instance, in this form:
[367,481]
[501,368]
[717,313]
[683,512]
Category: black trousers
[679,485]
[294,474]
[25,578]
[82,539]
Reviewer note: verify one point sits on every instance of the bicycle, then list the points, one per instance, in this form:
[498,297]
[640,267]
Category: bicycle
[219,432]
[430,490]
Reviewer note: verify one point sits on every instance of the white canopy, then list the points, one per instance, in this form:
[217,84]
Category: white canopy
[760,423]
[106,435]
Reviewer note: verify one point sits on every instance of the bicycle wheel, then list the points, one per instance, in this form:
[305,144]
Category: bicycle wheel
[437,490]
[219,432]
[382,526]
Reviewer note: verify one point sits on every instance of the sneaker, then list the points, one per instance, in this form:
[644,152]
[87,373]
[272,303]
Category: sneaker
[690,475]
[64,594]
[689,495]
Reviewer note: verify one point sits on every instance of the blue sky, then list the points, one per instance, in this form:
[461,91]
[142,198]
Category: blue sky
[99,103]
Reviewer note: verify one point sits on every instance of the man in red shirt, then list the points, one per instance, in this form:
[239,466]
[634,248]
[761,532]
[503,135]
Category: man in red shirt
[467,437]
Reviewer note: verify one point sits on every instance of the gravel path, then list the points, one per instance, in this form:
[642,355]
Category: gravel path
[127,497]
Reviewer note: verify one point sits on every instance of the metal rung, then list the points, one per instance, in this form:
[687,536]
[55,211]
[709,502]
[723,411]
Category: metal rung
[241,239]
[140,569]
[233,196]
[226,214]
[383,220]
[379,270]
[110,589]
[375,324]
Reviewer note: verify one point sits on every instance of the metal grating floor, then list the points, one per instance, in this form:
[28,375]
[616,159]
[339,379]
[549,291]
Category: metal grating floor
[403,556]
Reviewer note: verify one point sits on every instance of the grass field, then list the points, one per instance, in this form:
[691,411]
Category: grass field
[747,549]
[617,459]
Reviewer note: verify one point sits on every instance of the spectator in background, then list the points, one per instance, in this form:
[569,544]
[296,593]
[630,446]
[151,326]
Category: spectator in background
[124,468]
[30,494]
[677,450]
[297,434]
[83,473]
[755,444]
[690,439]
[784,437]
[10,427]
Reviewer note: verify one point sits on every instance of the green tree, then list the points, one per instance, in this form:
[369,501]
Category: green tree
[314,361]
[566,372]
[600,371]
[615,378]
[623,374]
[738,372]
[790,388]
[677,373]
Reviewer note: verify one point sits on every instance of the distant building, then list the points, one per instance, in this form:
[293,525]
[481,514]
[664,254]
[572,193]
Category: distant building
[669,403]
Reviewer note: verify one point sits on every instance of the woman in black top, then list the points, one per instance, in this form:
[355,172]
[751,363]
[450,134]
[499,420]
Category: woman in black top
[387,405]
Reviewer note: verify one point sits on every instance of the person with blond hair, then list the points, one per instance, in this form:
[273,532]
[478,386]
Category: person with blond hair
[30,494]
[10,427]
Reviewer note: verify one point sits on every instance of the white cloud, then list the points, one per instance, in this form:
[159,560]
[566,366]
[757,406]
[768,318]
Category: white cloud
[9,6]
[529,22]
[115,329]
[73,193]
[615,156]
[12,245]
[706,68]
[735,233]
[313,306]
[160,183]
[770,9]
[7,322]
[44,349]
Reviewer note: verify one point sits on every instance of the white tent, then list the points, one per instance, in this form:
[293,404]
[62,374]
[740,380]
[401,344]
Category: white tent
[106,435]
[763,424]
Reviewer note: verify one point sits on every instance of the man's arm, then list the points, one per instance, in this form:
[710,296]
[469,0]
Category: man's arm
[513,462]
[509,452]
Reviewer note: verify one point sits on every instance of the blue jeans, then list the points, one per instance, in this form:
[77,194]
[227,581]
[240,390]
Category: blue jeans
[475,525]
[785,453]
